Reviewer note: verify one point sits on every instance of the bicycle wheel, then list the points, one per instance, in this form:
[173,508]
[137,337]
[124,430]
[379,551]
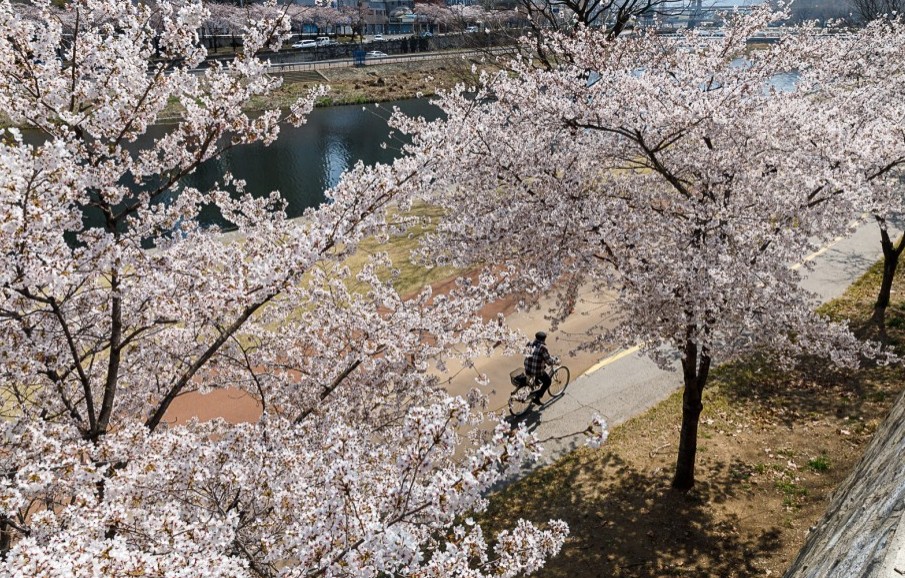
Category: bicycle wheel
[520,401]
[559,381]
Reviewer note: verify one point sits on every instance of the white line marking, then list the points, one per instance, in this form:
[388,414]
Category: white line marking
[611,359]
[826,247]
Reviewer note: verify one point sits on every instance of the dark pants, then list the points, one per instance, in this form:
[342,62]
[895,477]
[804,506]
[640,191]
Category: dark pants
[545,380]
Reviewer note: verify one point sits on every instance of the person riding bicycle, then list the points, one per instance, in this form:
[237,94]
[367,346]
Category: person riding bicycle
[536,363]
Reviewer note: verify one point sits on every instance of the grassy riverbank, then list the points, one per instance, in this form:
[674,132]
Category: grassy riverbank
[359,85]
[773,446]
[377,82]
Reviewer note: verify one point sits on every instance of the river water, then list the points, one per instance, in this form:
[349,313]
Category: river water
[307,160]
[304,161]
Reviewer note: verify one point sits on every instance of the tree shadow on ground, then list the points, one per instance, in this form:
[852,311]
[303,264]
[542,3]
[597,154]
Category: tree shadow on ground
[812,389]
[625,522]
[884,327]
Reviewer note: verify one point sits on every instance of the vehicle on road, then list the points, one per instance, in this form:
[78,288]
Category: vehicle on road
[376,54]
[522,397]
[305,44]
[377,37]
[471,29]
[427,34]
[325,41]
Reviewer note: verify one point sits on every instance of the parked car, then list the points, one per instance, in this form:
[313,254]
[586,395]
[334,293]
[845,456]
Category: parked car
[305,44]
[378,37]
[471,29]
[325,41]
[427,34]
[376,54]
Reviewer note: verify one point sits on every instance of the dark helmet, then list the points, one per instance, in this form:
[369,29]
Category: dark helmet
[540,336]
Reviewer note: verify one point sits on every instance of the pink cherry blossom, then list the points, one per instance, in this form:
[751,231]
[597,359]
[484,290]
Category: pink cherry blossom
[358,465]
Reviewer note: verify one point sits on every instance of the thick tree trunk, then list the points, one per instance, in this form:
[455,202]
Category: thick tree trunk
[695,368]
[891,253]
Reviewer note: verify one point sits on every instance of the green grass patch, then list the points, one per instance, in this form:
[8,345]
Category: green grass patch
[819,464]
[792,493]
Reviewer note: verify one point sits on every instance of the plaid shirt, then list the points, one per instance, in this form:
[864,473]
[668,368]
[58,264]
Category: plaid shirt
[537,361]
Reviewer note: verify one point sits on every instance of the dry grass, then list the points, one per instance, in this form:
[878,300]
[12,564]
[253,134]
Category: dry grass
[376,83]
[773,445]
[407,276]
[361,85]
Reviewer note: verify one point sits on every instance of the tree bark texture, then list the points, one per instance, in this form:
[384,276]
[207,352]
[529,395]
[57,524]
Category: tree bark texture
[891,254]
[5,538]
[695,368]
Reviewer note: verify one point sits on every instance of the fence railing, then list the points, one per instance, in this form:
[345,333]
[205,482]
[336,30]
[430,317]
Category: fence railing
[279,67]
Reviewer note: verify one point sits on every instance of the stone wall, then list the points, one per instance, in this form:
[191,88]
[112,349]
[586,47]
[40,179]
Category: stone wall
[858,532]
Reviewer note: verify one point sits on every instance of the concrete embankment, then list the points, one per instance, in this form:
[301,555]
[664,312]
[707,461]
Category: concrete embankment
[862,534]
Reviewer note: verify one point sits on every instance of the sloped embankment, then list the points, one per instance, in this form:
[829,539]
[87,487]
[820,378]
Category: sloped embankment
[857,535]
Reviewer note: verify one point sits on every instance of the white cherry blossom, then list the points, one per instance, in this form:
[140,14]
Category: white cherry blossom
[115,301]
[672,172]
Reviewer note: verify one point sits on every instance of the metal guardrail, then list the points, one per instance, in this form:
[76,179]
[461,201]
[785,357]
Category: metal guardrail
[392,59]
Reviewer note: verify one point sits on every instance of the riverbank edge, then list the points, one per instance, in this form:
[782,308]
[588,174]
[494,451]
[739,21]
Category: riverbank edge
[353,85]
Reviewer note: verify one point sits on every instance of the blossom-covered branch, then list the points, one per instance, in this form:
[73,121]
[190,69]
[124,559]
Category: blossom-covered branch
[115,300]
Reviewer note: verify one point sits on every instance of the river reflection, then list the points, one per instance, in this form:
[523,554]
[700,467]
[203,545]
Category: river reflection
[302,163]
[307,160]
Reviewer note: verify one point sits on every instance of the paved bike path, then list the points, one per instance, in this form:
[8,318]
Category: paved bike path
[626,383]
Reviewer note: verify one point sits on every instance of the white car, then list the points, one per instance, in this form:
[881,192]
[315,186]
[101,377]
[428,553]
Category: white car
[378,37]
[376,54]
[305,44]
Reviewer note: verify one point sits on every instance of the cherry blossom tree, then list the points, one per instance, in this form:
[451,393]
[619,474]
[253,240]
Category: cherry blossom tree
[223,19]
[435,14]
[612,16]
[497,20]
[226,17]
[465,15]
[869,10]
[322,17]
[116,300]
[609,17]
[671,171]
[857,74]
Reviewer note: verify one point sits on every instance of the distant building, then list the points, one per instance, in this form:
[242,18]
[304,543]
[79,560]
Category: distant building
[382,16]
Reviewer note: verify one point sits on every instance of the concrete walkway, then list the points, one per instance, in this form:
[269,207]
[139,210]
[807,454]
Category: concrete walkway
[625,383]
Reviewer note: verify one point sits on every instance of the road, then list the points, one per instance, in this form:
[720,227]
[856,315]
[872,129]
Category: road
[624,383]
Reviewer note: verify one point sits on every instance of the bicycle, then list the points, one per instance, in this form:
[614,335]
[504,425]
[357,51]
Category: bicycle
[522,397]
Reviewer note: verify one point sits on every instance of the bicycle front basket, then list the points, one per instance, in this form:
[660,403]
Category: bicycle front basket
[517,377]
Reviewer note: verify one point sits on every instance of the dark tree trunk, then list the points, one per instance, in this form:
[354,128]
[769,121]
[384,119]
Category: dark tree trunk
[891,253]
[695,367]
[695,17]
[6,538]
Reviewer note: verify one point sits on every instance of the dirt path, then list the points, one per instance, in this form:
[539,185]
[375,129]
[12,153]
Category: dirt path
[237,406]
